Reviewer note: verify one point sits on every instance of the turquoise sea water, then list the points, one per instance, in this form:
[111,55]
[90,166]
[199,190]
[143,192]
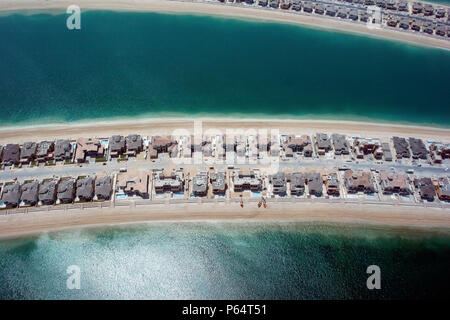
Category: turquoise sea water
[226,261]
[138,65]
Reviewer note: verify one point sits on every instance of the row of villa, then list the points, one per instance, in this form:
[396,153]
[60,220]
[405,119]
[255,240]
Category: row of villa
[56,191]
[142,184]
[418,16]
[220,146]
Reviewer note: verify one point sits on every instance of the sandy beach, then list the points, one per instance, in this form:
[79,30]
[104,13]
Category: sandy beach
[224,11]
[168,127]
[17,225]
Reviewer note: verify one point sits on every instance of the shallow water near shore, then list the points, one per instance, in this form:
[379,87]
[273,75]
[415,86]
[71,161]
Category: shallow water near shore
[131,65]
[227,261]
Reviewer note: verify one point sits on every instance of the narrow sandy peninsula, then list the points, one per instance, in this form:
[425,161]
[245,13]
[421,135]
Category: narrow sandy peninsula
[217,9]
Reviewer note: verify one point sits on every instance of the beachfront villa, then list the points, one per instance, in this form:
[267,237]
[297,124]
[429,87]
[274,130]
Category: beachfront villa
[11,155]
[47,192]
[28,152]
[134,144]
[116,146]
[63,150]
[426,188]
[394,183]
[87,147]
[323,143]
[85,189]
[332,184]
[315,183]
[163,144]
[278,181]
[340,144]
[172,181]
[401,148]
[11,195]
[418,149]
[363,147]
[29,196]
[200,184]
[66,190]
[45,151]
[103,188]
[133,184]
[297,183]
[218,182]
[360,181]
[246,180]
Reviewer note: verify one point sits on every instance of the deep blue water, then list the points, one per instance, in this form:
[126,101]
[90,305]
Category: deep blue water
[148,65]
[226,261]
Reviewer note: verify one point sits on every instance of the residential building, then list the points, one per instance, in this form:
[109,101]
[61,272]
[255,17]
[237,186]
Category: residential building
[323,143]
[66,190]
[134,144]
[401,148]
[47,192]
[361,181]
[45,151]
[103,188]
[11,195]
[29,196]
[63,150]
[315,183]
[172,181]
[11,155]
[218,182]
[87,147]
[418,148]
[200,184]
[340,144]
[297,183]
[278,182]
[133,183]
[117,145]
[246,180]
[394,183]
[426,188]
[386,151]
[332,184]
[28,152]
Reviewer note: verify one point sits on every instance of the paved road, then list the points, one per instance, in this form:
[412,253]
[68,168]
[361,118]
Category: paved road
[296,164]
